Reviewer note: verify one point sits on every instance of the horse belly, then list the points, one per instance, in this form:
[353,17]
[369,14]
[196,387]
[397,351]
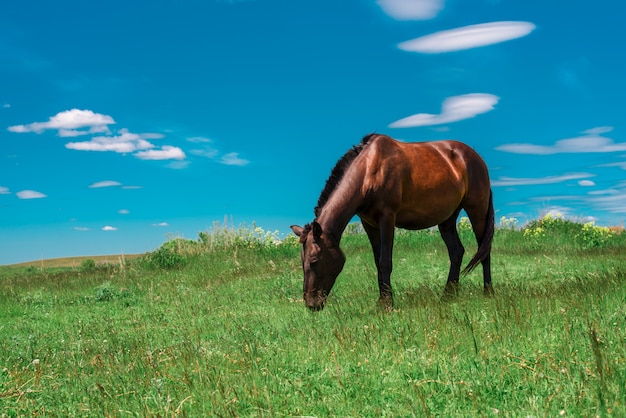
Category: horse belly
[425,209]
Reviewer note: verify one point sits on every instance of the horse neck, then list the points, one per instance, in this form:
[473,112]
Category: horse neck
[341,206]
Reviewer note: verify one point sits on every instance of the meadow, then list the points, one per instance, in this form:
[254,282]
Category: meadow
[216,326]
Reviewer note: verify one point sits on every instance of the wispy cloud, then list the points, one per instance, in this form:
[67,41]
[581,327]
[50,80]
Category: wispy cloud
[453,109]
[586,183]
[4,190]
[528,181]
[411,9]
[30,194]
[199,140]
[232,158]
[468,37]
[161,224]
[80,228]
[68,122]
[590,142]
[105,183]
[167,152]
[209,151]
[206,152]
[179,165]
[123,211]
[109,228]
[614,202]
[125,142]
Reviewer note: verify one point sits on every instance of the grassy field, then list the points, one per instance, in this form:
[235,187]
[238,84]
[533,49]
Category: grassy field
[217,327]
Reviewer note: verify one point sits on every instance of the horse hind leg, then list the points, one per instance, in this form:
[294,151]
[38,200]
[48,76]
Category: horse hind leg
[450,236]
[483,226]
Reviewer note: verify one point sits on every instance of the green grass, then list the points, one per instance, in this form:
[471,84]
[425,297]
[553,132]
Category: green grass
[217,327]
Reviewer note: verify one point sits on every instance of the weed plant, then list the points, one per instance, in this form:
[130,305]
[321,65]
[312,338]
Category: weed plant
[216,327]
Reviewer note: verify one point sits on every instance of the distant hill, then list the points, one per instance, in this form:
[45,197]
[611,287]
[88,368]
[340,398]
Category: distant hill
[76,261]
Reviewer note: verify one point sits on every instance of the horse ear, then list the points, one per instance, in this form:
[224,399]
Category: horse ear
[298,230]
[317,230]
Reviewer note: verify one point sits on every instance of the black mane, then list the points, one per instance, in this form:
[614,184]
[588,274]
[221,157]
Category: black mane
[337,173]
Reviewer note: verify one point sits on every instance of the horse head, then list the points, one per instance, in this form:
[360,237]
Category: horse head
[322,261]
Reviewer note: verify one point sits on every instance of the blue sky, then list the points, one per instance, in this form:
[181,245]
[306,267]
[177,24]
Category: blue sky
[123,123]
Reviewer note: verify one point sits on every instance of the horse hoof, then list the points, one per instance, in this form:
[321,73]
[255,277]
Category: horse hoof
[386,302]
[489,291]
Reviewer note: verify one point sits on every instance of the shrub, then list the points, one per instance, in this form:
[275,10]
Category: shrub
[170,255]
[508,223]
[222,236]
[593,236]
[563,231]
[464,225]
[104,292]
[88,265]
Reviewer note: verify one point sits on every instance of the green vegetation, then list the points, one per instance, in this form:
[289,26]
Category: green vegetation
[216,327]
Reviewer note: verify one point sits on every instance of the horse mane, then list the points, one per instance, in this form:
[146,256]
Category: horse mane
[340,169]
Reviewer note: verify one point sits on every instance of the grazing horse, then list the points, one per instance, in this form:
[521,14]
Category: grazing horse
[409,185]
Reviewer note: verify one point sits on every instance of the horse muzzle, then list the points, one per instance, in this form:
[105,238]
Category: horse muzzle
[315,300]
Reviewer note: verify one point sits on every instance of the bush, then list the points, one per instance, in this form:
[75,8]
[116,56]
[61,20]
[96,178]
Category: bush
[171,254]
[592,236]
[175,252]
[222,236]
[555,228]
[88,265]
[104,292]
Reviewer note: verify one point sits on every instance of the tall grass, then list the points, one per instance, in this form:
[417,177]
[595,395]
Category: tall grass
[223,332]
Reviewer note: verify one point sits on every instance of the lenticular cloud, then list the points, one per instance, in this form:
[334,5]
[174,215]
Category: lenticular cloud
[411,9]
[468,37]
[453,109]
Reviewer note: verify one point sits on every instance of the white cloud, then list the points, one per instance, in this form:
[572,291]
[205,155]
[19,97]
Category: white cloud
[30,194]
[411,9]
[76,122]
[178,165]
[68,133]
[123,211]
[161,224]
[613,204]
[232,158]
[512,181]
[167,152]
[599,130]
[124,142]
[199,140]
[105,183]
[4,190]
[109,228]
[207,152]
[591,142]
[468,37]
[453,109]
[68,120]
[586,183]
[80,228]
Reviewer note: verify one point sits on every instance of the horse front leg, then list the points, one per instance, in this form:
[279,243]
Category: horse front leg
[381,238]
[373,233]
[385,263]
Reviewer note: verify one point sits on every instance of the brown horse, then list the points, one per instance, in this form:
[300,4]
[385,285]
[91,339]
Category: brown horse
[409,185]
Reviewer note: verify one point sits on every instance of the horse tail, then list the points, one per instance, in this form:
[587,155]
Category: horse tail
[484,248]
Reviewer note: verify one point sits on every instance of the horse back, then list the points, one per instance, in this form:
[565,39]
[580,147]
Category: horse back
[423,183]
